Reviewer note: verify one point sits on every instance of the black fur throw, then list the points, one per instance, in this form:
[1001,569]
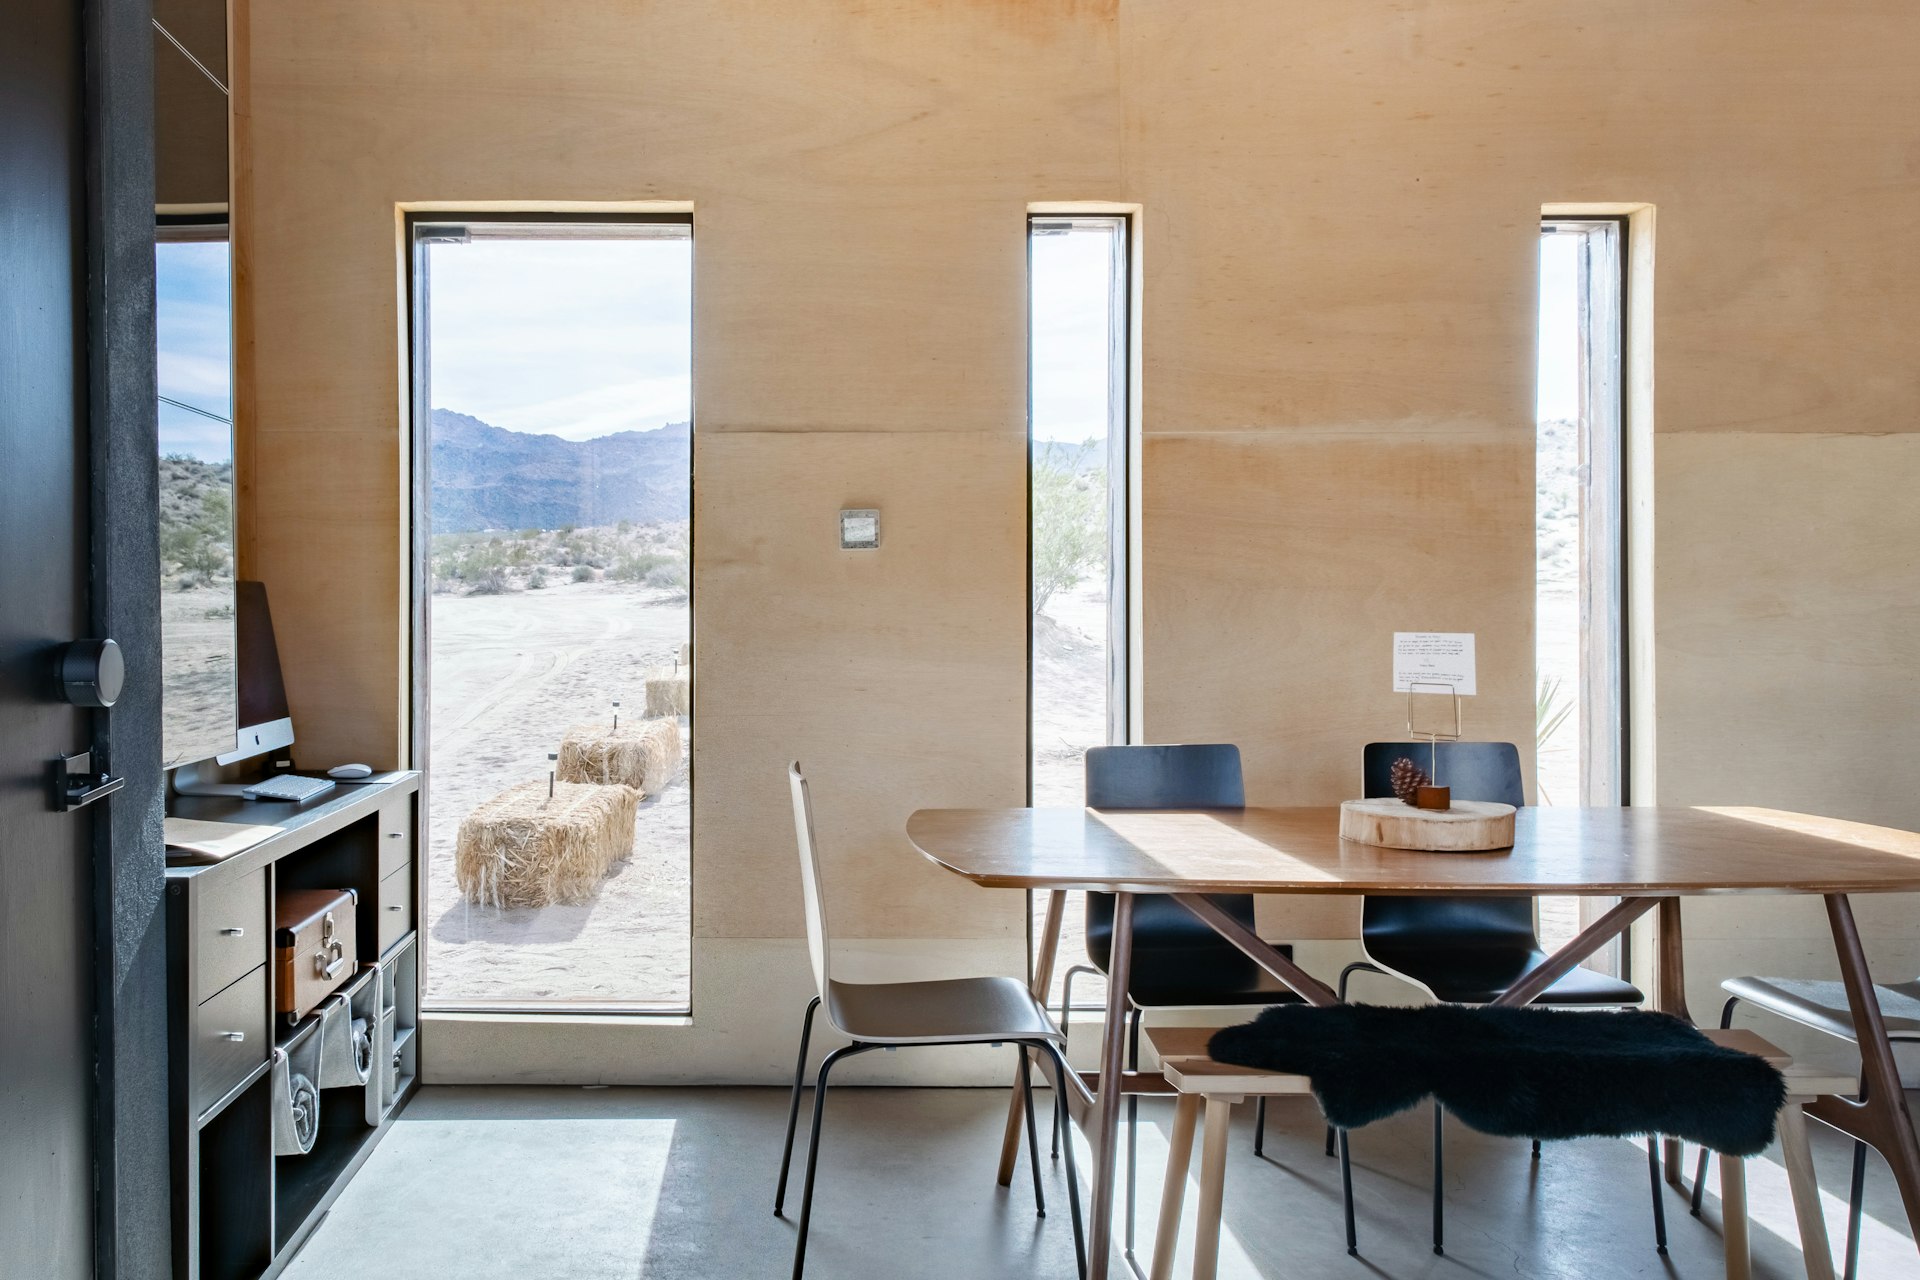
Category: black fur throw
[1519,1073]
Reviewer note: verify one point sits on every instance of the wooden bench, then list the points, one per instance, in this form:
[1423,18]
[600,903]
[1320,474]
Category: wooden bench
[1207,1091]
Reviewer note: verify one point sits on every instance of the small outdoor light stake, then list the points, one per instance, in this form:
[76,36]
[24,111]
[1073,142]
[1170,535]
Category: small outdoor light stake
[552,772]
[616,715]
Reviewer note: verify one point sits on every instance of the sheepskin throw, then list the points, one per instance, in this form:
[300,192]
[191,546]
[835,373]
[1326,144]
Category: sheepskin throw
[1519,1073]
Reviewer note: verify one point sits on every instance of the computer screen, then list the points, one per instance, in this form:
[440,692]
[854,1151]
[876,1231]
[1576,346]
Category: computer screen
[265,722]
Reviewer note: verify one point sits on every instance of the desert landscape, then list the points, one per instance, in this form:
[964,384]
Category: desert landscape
[512,671]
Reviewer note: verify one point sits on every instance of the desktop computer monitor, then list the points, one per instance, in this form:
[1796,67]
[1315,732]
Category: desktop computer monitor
[266,724]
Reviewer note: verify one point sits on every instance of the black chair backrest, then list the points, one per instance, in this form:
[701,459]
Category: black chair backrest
[1475,771]
[1196,776]
[1188,776]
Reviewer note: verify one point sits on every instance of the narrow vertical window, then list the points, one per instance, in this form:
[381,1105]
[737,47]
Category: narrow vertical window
[1079,450]
[1580,617]
[552,555]
[193,331]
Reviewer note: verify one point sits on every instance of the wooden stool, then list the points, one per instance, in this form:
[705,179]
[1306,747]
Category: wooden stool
[1202,1082]
[1804,1084]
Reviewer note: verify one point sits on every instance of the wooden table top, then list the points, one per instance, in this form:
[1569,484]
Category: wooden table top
[1646,852]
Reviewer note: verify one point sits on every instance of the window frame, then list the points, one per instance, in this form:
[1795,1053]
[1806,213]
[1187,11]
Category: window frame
[1123,452]
[416,369]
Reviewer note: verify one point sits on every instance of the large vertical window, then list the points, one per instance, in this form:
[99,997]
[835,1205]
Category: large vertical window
[1580,527]
[1079,445]
[193,330]
[553,537]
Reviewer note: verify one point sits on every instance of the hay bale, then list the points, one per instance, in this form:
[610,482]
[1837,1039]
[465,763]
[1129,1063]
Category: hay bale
[669,695]
[522,849]
[644,756]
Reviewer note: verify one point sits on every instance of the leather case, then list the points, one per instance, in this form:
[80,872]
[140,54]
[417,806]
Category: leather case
[314,948]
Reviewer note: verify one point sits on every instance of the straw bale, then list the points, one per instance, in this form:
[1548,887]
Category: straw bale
[644,756]
[669,695]
[522,849]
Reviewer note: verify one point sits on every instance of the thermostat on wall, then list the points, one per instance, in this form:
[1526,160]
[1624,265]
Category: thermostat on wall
[859,530]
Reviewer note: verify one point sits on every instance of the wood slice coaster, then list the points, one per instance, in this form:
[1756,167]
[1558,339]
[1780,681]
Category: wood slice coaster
[1470,826]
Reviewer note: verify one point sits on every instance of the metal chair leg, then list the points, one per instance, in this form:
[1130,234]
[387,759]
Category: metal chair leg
[1358,966]
[1062,1070]
[1033,1132]
[1855,1201]
[1346,1194]
[813,1150]
[1536,1148]
[1133,1126]
[1659,1201]
[1259,1125]
[793,1105]
[1439,1178]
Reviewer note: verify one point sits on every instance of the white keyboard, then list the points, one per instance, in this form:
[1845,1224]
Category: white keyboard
[289,786]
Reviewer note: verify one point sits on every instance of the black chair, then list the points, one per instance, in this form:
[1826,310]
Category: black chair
[1467,950]
[1177,961]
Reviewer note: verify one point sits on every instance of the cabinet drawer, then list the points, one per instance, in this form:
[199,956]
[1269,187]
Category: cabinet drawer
[396,907]
[396,834]
[219,1059]
[233,931]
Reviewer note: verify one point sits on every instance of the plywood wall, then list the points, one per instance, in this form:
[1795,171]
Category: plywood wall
[1339,211]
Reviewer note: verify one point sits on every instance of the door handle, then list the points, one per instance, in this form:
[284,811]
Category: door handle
[75,783]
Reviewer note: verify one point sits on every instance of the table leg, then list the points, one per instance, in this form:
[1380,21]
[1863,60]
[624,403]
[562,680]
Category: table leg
[1043,962]
[1106,1110]
[1882,1119]
[1672,998]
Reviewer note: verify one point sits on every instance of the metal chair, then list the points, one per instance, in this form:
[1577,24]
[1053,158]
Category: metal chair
[887,1015]
[1178,962]
[1466,950]
[1823,1006]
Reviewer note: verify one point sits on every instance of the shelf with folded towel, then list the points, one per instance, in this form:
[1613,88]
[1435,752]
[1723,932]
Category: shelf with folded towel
[271,1121]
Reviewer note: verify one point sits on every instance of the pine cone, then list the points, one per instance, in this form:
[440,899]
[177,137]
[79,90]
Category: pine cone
[1407,777]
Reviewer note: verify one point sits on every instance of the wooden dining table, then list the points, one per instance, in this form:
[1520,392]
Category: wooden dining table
[1649,858]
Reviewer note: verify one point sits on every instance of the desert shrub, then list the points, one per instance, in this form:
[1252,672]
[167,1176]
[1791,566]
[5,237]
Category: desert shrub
[581,573]
[671,576]
[489,582]
[639,565]
[538,579]
[1069,528]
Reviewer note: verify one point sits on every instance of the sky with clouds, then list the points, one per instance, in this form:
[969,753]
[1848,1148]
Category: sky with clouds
[195,348]
[563,337]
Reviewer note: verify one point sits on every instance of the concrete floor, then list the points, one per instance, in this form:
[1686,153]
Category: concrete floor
[592,1184]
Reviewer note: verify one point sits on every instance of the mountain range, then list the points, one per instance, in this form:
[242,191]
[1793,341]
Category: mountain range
[486,477]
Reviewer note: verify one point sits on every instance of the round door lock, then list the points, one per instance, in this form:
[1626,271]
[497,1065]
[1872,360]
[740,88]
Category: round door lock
[92,673]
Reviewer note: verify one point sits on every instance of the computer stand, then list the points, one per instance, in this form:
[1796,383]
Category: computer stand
[189,781]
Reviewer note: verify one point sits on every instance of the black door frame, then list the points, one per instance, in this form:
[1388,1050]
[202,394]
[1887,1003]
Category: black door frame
[132,1206]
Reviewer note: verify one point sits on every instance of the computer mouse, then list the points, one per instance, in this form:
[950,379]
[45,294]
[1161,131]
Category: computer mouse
[348,772]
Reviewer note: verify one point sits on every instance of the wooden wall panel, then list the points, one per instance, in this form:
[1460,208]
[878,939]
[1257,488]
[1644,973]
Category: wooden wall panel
[896,676]
[1340,204]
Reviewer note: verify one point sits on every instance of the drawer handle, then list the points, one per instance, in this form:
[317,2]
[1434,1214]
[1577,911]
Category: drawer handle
[396,907]
[396,835]
[233,933]
[238,1037]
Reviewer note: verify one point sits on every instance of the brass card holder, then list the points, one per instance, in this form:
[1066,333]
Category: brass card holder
[1433,795]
